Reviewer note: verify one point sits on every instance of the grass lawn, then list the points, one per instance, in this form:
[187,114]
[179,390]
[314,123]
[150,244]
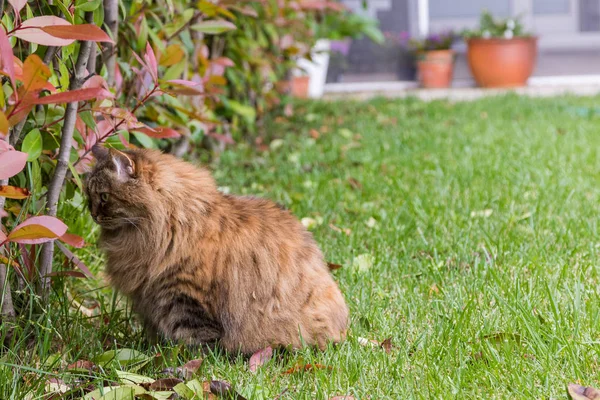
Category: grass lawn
[467,233]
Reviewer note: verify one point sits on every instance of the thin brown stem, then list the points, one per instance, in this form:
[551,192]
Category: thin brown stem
[62,164]
[109,54]
[7,309]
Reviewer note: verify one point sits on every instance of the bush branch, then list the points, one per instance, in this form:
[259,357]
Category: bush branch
[62,164]
[109,53]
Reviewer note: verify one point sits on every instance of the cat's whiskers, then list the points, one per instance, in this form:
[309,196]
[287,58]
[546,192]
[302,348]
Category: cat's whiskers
[132,221]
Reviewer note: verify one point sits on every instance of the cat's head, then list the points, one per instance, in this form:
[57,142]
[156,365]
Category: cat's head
[118,192]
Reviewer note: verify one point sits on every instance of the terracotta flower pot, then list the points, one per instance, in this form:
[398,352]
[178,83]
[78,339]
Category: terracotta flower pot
[435,68]
[501,63]
[300,86]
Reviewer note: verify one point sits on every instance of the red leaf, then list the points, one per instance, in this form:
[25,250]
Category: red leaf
[13,192]
[11,163]
[74,95]
[224,61]
[89,32]
[6,57]
[73,258]
[38,230]
[30,31]
[17,5]
[221,138]
[3,237]
[159,132]
[260,357]
[151,62]
[184,87]
[95,81]
[321,5]
[72,240]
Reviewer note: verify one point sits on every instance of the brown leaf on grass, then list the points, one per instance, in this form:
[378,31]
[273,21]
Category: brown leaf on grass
[342,398]
[260,357]
[186,371]
[189,368]
[387,345]
[314,134]
[82,365]
[333,266]
[306,367]
[164,384]
[356,185]
[578,392]
[347,231]
[223,389]
[499,338]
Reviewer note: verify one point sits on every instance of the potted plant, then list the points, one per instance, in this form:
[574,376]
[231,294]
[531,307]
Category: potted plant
[333,31]
[435,59]
[500,53]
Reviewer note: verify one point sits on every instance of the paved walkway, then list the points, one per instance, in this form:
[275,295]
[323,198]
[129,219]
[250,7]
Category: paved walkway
[538,87]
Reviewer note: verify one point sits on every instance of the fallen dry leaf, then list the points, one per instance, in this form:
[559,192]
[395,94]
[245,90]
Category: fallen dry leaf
[354,183]
[260,357]
[333,266]
[578,392]
[314,133]
[56,385]
[306,367]
[82,365]
[224,389]
[347,231]
[387,345]
[164,384]
[342,398]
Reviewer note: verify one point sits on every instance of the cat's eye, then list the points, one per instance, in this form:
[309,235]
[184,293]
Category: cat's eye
[104,196]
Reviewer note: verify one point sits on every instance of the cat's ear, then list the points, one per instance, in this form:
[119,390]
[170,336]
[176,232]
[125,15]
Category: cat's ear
[124,165]
[100,152]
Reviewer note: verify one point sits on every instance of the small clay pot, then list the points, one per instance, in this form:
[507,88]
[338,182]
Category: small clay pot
[502,63]
[435,68]
[300,86]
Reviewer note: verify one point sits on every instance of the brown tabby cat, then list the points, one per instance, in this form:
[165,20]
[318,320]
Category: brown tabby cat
[203,267]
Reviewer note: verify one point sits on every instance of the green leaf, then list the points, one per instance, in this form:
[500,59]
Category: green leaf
[87,5]
[129,377]
[123,356]
[99,16]
[127,392]
[144,140]
[213,27]
[249,113]
[76,177]
[196,386]
[184,391]
[32,144]
[163,395]
[88,119]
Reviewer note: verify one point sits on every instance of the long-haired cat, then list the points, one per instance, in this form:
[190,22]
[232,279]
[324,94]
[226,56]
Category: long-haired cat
[204,267]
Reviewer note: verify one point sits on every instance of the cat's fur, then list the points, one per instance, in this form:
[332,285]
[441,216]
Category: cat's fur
[201,266]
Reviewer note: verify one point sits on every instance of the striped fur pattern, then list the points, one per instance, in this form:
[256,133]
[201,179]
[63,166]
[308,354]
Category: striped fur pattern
[203,267]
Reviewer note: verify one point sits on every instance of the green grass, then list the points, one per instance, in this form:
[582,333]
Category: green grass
[473,243]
